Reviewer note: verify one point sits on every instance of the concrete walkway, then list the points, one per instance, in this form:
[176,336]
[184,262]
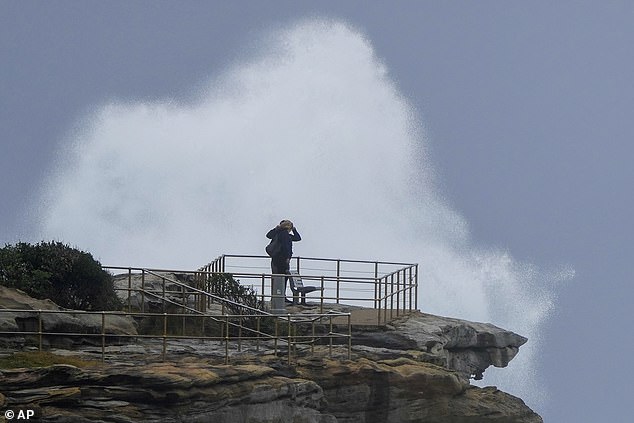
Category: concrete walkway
[359,316]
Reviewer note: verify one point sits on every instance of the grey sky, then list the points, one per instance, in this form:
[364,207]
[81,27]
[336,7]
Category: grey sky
[528,106]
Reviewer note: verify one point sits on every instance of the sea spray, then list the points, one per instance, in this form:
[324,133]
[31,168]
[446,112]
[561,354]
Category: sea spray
[315,130]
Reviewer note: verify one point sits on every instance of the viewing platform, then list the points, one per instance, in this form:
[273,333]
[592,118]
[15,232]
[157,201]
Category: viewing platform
[379,291]
[229,305]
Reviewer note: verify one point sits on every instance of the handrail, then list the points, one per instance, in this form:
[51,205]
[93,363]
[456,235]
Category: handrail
[188,290]
[210,295]
[323,259]
[256,311]
[387,287]
[207,294]
[193,290]
[225,336]
[392,287]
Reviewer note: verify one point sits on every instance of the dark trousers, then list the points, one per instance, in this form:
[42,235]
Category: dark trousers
[281,266]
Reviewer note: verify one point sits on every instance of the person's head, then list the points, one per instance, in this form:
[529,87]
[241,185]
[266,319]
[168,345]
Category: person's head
[286,224]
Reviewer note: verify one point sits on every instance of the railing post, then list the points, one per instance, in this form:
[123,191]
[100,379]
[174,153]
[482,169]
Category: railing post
[386,298]
[142,290]
[202,329]
[312,341]
[208,289]
[391,296]
[289,338]
[183,308]
[129,289]
[338,277]
[164,335]
[204,300]
[227,339]
[404,290]
[197,297]
[398,294]
[330,336]
[377,287]
[222,330]
[349,336]
[39,325]
[257,328]
[103,335]
[321,303]
[379,295]
[378,308]
[164,306]
[416,288]
[240,332]
[277,333]
[410,288]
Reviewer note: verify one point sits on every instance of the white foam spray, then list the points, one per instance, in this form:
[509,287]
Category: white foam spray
[313,129]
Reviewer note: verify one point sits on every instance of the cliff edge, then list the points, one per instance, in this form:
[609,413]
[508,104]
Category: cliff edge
[416,369]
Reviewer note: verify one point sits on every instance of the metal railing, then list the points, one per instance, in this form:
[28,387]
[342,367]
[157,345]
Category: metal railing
[391,288]
[185,307]
[223,328]
[192,296]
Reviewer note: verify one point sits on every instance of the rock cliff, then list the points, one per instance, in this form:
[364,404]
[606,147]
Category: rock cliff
[311,391]
[417,369]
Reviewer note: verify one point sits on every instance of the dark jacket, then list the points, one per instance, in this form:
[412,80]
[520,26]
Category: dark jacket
[286,239]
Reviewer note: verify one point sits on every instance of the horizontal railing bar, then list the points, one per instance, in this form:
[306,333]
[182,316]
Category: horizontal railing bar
[148,314]
[304,276]
[173,336]
[210,295]
[343,280]
[323,259]
[154,272]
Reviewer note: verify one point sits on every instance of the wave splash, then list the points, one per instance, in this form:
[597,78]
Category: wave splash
[313,129]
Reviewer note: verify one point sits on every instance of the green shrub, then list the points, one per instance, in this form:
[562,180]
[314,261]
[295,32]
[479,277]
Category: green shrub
[224,285]
[69,277]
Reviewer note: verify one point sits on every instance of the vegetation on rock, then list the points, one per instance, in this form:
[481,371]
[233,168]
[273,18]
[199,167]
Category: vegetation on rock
[224,285]
[69,277]
[34,359]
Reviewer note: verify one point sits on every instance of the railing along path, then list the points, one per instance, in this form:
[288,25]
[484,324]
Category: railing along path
[188,310]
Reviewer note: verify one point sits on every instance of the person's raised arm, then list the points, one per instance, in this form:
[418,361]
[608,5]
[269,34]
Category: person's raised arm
[295,236]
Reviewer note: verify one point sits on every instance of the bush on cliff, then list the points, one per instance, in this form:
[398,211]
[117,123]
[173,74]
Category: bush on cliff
[224,285]
[69,277]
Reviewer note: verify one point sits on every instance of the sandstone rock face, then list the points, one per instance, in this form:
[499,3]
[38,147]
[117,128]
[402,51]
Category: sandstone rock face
[416,369]
[313,391]
[468,347]
[66,321]
[461,345]
[406,391]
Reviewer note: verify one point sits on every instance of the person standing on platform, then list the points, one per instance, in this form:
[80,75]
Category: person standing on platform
[283,235]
